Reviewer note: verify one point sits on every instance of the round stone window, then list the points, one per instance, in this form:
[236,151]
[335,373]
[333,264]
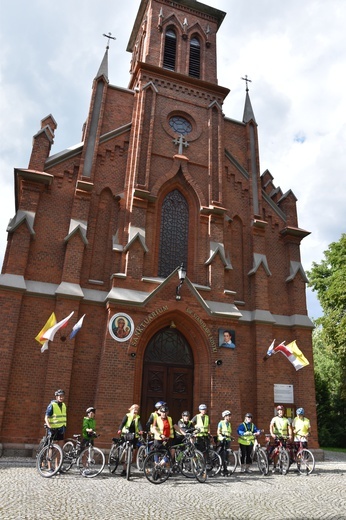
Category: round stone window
[180,125]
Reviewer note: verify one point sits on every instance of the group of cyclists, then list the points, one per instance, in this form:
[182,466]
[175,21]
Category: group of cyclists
[165,432]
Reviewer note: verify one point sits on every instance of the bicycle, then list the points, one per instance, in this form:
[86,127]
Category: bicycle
[279,451]
[228,456]
[121,453]
[212,458]
[90,460]
[188,461]
[302,456]
[50,457]
[144,449]
[259,455]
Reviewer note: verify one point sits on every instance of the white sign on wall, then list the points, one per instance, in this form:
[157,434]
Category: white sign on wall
[283,394]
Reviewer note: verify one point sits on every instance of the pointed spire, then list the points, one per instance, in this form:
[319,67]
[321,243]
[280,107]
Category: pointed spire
[103,70]
[248,112]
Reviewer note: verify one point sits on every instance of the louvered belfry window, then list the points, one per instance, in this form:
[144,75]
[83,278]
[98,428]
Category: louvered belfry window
[195,58]
[170,50]
[173,233]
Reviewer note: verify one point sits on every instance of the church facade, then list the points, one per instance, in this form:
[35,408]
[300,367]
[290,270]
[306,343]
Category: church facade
[161,230]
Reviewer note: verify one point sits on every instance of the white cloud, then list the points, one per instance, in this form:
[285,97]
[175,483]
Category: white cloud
[294,53]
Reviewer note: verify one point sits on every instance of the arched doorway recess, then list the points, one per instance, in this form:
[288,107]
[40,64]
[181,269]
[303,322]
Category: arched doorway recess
[167,373]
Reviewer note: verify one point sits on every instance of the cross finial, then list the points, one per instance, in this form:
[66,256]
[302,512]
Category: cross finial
[247,80]
[181,142]
[110,37]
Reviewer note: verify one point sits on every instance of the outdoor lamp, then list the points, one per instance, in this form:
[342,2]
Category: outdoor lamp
[182,276]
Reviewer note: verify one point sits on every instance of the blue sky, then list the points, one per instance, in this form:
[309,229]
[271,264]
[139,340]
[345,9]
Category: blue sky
[294,53]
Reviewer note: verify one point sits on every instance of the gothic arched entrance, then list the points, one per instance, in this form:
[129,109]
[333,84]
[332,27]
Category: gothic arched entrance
[167,374]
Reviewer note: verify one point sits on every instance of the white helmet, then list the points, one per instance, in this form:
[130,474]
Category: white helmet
[226,412]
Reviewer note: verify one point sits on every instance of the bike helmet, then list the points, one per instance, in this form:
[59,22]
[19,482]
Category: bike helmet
[280,407]
[163,409]
[159,404]
[300,411]
[185,414]
[202,407]
[248,415]
[226,412]
[90,409]
[60,392]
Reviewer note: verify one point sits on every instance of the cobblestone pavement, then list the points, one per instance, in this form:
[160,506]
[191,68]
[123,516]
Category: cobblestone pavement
[25,495]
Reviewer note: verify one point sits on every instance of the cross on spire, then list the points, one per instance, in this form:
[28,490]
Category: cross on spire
[110,37]
[181,142]
[247,80]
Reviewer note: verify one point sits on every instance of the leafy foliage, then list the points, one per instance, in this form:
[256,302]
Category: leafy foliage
[328,279]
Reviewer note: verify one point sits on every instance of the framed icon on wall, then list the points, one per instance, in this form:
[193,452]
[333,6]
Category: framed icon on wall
[226,338]
[121,327]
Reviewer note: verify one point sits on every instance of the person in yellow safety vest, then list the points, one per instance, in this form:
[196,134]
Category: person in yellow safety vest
[279,427]
[153,416]
[163,428]
[301,428]
[224,436]
[56,417]
[202,422]
[131,424]
[247,432]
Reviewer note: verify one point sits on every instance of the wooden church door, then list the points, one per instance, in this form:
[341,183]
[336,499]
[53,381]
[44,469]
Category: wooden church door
[167,374]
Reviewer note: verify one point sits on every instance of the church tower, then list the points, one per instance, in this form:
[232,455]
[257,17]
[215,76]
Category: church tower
[161,230]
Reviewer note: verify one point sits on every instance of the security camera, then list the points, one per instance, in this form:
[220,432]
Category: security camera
[218,362]
[133,354]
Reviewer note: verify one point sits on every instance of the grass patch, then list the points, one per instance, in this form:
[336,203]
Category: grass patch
[343,450]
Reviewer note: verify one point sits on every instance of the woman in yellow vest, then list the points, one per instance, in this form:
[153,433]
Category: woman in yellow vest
[163,428]
[202,422]
[247,432]
[131,424]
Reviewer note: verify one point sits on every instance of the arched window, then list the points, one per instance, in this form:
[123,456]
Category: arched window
[170,49]
[174,233]
[195,58]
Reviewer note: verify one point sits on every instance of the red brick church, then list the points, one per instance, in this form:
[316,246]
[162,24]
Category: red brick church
[162,185]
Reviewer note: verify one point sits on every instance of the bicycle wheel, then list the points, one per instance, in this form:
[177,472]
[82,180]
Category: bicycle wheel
[141,454]
[157,467]
[91,462]
[231,461]
[68,451]
[305,462]
[199,467]
[284,461]
[129,461]
[262,461]
[185,465]
[114,457]
[213,463]
[49,460]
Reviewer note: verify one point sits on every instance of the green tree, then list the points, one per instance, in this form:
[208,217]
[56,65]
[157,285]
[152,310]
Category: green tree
[328,279]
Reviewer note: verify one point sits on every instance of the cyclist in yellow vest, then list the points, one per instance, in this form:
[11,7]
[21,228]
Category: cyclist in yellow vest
[163,428]
[153,416]
[202,422]
[224,435]
[280,425]
[247,432]
[301,428]
[131,424]
[56,416]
